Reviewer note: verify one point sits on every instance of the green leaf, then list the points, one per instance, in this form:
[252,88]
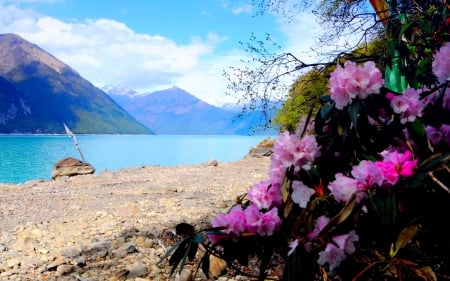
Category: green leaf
[394,79]
[198,238]
[406,235]
[353,113]
[417,133]
[169,252]
[342,216]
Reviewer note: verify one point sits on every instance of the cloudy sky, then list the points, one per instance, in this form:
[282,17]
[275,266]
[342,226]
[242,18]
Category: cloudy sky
[149,45]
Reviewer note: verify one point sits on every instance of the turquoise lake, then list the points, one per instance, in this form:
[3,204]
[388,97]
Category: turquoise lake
[29,157]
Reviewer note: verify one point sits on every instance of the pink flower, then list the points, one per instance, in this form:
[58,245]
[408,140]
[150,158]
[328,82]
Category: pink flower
[396,165]
[289,151]
[347,241]
[264,195]
[301,193]
[321,222]
[292,246]
[265,224]
[343,187]
[277,172]
[336,251]
[408,105]
[351,81]
[234,221]
[441,63]
[439,136]
[367,174]
[332,255]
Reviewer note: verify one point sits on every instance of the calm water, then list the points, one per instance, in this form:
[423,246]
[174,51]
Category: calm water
[26,157]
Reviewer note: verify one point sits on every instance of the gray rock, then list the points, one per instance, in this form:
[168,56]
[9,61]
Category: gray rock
[137,270]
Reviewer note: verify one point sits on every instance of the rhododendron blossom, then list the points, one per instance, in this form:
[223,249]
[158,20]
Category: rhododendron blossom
[264,195]
[289,151]
[321,222]
[265,224]
[439,136]
[301,193]
[343,187]
[336,251]
[408,105]
[367,175]
[441,63]
[351,81]
[277,172]
[233,221]
[396,165]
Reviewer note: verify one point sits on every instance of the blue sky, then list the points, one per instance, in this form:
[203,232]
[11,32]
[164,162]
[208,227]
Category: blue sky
[149,45]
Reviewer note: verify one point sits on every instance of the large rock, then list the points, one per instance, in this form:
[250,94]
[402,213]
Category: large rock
[71,167]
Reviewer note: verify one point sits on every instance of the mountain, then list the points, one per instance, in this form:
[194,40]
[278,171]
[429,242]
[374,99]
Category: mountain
[175,111]
[38,93]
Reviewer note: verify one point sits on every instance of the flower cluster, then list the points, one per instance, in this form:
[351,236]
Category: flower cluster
[352,81]
[360,191]
[441,63]
[261,216]
[379,172]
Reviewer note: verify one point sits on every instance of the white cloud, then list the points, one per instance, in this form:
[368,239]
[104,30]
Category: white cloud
[106,51]
[242,9]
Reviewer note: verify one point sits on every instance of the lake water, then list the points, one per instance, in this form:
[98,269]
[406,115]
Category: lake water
[27,157]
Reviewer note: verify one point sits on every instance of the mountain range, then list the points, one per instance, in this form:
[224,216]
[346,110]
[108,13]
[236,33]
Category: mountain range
[175,111]
[39,93]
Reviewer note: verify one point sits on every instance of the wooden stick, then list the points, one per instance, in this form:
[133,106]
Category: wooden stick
[72,135]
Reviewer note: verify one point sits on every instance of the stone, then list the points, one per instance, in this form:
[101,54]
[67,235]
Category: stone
[216,266]
[184,275]
[71,167]
[136,270]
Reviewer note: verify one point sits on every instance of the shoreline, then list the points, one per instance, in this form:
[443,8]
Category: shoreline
[43,220]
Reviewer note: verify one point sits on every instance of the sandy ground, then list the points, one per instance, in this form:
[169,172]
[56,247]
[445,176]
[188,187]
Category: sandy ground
[41,220]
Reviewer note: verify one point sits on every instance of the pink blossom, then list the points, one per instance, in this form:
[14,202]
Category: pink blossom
[351,81]
[347,241]
[292,246]
[396,165]
[301,193]
[336,251]
[265,224]
[264,195]
[367,174]
[321,222]
[234,221]
[332,255]
[439,136]
[343,187]
[441,63]
[277,172]
[408,105]
[432,98]
[289,151]
[446,99]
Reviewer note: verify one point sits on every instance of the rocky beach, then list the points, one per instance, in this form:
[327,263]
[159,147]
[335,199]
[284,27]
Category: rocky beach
[115,225]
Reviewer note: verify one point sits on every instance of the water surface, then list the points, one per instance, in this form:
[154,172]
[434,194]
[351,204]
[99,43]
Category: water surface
[27,157]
